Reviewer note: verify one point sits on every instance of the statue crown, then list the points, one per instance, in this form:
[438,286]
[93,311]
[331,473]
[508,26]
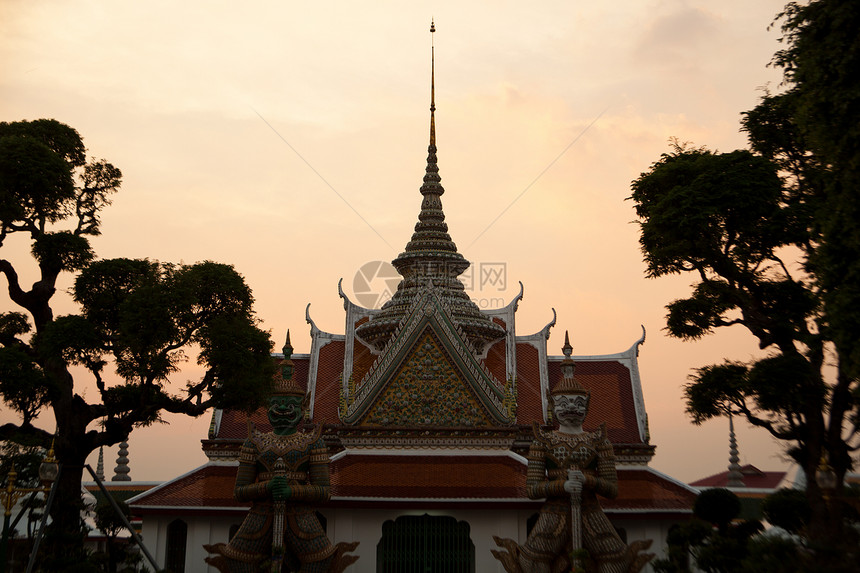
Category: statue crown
[284,384]
[288,387]
[568,383]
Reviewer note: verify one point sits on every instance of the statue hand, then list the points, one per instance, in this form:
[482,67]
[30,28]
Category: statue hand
[573,487]
[574,483]
[279,489]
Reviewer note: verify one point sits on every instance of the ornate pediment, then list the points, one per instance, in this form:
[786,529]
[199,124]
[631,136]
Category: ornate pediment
[428,389]
[427,374]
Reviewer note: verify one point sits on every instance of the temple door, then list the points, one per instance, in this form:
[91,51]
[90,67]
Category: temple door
[425,544]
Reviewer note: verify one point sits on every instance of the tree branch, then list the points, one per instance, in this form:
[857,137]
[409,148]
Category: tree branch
[766,424]
[24,434]
[17,295]
[839,402]
[784,268]
[720,322]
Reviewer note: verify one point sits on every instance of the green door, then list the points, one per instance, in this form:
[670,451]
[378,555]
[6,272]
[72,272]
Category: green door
[425,544]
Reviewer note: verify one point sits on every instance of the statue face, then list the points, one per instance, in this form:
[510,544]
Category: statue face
[570,409]
[285,413]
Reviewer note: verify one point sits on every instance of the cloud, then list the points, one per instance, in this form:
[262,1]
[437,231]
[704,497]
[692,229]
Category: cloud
[676,38]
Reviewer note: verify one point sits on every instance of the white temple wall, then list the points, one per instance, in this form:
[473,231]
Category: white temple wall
[653,529]
[202,530]
[365,526]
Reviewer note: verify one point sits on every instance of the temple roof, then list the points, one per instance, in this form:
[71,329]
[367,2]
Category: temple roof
[612,380]
[753,478]
[207,487]
[431,477]
[642,490]
[422,479]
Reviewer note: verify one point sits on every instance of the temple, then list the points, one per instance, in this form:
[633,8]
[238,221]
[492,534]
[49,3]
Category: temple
[427,406]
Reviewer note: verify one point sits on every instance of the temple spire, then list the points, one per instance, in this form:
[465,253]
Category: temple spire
[432,85]
[100,466]
[432,181]
[431,259]
[121,471]
[735,477]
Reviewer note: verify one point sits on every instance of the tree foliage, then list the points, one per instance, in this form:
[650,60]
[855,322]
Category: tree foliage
[771,236]
[139,321]
[718,544]
[717,506]
[788,509]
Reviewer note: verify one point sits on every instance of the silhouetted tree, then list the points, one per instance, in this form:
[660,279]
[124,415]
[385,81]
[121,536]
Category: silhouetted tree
[772,237]
[788,509]
[111,524]
[717,506]
[137,317]
[720,550]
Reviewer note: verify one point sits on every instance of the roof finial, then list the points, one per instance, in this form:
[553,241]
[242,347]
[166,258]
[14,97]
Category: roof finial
[432,84]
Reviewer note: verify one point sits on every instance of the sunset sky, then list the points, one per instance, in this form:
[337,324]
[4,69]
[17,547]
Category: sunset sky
[289,139]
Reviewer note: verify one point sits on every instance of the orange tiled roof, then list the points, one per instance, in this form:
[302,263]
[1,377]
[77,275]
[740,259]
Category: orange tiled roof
[529,408]
[384,478]
[121,488]
[647,490]
[327,393]
[611,397]
[362,360]
[428,477]
[495,361]
[208,486]
[753,478]
[609,381]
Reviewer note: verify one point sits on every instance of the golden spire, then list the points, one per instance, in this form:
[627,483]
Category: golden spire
[431,258]
[432,85]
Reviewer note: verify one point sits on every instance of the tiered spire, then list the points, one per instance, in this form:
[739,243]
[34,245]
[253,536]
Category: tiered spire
[431,259]
[284,382]
[122,470]
[735,477]
[568,383]
[567,365]
[100,466]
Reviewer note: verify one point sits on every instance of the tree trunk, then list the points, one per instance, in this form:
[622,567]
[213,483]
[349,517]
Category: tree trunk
[826,531]
[112,551]
[64,540]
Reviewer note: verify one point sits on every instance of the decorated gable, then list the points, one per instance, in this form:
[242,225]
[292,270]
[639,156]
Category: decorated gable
[428,354]
[428,389]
